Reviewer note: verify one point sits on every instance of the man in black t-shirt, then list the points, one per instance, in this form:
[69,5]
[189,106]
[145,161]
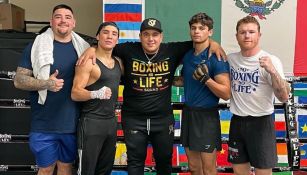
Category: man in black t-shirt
[147,113]
[149,68]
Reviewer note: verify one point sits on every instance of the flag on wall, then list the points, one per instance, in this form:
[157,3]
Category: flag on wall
[120,154]
[280,124]
[300,93]
[128,15]
[302,122]
[225,116]
[282,26]
[150,160]
[175,157]
[182,157]
[303,161]
[177,125]
[300,66]
[222,157]
[282,154]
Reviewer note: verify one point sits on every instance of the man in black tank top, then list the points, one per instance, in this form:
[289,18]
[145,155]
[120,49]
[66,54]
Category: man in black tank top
[97,86]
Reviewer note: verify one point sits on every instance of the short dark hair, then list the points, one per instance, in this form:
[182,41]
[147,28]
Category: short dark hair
[248,19]
[62,6]
[202,18]
[104,24]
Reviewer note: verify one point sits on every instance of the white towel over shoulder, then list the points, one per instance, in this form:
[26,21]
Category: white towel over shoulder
[42,56]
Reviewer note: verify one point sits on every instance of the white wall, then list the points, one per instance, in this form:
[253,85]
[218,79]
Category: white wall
[88,13]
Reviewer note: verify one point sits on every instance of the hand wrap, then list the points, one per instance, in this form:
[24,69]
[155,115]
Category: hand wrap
[99,94]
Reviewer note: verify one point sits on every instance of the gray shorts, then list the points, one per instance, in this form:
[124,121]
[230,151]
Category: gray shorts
[201,129]
[252,139]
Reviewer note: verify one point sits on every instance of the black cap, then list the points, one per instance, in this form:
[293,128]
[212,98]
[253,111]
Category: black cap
[151,23]
[102,25]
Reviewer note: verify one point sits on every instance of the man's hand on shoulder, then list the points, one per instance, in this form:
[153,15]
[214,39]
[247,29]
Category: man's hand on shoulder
[218,50]
[89,53]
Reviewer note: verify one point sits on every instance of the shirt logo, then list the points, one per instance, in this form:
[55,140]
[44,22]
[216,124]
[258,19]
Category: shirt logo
[244,80]
[150,77]
[207,146]
[152,22]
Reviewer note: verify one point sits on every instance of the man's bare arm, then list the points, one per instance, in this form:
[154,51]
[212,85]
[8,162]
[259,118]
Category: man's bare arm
[220,86]
[81,80]
[24,80]
[84,77]
[280,86]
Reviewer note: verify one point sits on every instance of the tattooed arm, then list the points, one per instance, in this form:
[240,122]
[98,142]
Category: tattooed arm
[280,86]
[24,80]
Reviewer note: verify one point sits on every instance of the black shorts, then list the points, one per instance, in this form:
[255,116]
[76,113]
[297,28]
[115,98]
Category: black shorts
[252,139]
[201,129]
[96,144]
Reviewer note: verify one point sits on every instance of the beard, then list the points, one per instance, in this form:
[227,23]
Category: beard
[62,32]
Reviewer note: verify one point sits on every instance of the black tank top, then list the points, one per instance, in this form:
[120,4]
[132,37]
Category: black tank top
[97,108]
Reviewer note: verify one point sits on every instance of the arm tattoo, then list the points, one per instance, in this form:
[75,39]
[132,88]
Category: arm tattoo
[24,80]
[280,87]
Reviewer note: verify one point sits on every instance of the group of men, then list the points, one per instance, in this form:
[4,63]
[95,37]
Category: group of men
[147,67]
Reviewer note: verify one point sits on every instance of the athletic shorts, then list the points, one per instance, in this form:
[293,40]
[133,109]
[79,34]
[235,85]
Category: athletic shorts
[201,129]
[96,144]
[252,139]
[48,148]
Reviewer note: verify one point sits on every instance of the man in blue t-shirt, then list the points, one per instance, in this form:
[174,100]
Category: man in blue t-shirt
[205,80]
[48,74]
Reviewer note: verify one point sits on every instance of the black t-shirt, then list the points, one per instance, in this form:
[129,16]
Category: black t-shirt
[147,87]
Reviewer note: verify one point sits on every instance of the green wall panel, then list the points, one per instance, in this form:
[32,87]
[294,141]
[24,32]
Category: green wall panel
[175,14]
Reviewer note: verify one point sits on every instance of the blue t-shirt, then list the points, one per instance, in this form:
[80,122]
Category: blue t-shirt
[59,114]
[197,94]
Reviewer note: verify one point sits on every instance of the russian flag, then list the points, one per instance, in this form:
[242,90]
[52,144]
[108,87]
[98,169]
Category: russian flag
[280,124]
[128,15]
